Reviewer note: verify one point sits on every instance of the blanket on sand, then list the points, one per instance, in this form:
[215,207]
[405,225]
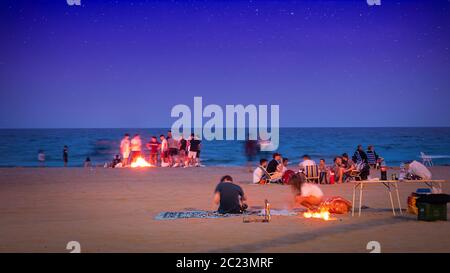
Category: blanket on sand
[172,215]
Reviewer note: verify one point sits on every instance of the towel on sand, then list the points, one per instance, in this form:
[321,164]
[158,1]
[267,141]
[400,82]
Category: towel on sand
[172,215]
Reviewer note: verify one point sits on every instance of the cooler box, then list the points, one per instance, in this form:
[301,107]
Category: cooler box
[432,207]
[423,191]
[432,212]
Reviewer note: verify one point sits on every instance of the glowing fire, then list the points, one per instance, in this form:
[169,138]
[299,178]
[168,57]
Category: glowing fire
[322,213]
[139,163]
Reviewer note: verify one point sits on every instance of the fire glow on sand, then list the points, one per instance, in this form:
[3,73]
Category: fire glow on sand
[140,163]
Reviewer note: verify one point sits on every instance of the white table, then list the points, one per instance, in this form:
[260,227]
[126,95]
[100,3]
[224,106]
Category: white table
[389,185]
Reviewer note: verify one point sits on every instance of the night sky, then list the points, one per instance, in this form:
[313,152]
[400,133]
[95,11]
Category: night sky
[127,63]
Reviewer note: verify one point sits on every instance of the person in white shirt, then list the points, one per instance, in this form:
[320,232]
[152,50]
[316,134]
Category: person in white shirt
[306,194]
[306,162]
[164,151]
[136,147]
[125,149]
[172,145]
[259,174]
[41,158]
[416,168]
[284,165]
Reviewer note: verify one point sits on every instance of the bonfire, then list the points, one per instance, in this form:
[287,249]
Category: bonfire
[321,213]
[140,162]
[335,205]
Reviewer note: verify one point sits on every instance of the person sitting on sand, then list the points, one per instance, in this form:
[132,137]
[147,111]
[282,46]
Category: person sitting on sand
[229,196]
[417,170]
[306,162]
[348,166]
[360,156]
[274,166]
[347,163]
[259,174]
[338,170]
[306,194]
[323,171]
[117,162]
[373,158]
[284,165]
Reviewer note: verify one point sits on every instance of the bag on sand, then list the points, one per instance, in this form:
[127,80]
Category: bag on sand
[412,204]
[337,205]
[287,176]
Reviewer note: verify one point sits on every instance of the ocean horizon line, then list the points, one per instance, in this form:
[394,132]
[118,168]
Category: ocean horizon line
[394,144]
[166,128]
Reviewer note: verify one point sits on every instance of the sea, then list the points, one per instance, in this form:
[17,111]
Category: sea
[19,147]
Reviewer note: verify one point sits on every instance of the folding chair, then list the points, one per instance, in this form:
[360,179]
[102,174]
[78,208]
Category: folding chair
[271,178]
[372,159]
[426,159]
[312,173]
[355,174]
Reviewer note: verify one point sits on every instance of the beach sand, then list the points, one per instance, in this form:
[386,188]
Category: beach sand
[113,210]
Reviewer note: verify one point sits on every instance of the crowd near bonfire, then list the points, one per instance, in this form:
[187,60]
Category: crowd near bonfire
[165,152]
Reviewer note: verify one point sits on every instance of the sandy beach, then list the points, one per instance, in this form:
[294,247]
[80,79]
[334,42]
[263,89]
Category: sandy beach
[113,210]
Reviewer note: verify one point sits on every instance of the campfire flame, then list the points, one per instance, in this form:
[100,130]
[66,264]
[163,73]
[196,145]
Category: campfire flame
[140,163]
[322,213]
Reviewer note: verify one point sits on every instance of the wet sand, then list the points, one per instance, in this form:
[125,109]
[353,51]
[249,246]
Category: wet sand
[112,210]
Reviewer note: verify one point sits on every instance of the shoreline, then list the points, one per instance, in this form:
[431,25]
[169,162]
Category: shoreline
[159,167]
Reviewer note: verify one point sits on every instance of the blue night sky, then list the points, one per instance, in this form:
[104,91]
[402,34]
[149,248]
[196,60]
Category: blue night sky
[126,63]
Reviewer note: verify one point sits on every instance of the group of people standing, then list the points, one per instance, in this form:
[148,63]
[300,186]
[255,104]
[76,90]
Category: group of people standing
[167,152]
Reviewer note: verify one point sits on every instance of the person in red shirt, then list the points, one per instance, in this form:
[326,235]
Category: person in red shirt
[153,146]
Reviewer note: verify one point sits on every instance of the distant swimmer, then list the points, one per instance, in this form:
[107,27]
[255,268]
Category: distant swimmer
[41,158]
[66,155]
